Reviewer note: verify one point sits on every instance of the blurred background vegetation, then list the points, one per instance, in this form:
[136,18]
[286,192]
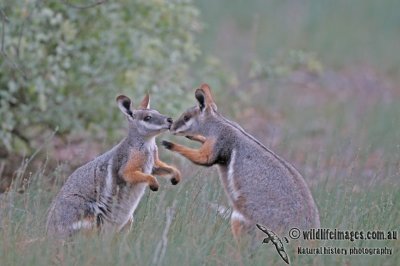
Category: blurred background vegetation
[64,62]
[62,66]
[315,80]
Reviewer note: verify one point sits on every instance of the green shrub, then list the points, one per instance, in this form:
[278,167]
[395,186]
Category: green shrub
[61,67]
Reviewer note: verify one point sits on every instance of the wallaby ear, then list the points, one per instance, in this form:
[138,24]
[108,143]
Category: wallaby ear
[124,103]
[200,98]
[145,104]
[204,97]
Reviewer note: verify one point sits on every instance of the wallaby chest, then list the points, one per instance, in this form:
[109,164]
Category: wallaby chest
[139,159]
[119,198]
[145,157]
[148,161]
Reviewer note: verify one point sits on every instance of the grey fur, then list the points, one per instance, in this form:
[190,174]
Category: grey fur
[261,186]
[96,195]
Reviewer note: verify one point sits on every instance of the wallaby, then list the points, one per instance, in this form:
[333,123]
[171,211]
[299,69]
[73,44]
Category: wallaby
[104,193]
[261,187]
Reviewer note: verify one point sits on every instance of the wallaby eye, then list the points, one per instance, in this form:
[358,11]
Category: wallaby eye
[147,118]
[186,118]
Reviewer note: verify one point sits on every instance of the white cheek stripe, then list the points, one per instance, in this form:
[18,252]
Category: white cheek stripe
[151,126]
[185,127]
[231,177]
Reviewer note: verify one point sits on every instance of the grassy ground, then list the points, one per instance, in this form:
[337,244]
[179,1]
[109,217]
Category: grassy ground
[197,235]
[352,171]
[342,33]
[340,128]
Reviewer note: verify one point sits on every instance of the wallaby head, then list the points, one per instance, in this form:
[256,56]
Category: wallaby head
[197,119]
[147,122]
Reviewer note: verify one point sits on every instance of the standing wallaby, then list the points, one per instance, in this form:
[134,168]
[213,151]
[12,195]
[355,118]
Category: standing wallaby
[261,187]
[105,192]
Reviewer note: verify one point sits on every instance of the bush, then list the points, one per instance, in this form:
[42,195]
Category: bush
[63,66]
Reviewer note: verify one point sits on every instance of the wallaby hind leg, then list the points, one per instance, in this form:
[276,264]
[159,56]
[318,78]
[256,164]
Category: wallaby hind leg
[239,225]
[70,216]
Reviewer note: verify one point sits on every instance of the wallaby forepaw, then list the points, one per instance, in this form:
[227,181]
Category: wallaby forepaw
[168,145]
[153,187]
[176,178]
[174,181]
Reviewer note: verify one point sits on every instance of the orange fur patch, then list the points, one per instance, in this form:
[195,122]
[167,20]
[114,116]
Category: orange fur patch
[200,156]
[237,228]
[133,172]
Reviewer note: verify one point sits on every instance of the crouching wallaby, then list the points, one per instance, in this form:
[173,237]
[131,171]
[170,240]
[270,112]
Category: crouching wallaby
[261,187]
[104,193]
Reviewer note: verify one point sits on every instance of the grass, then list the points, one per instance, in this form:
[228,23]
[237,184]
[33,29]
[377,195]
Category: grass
[197,235]
[342,33]
[344,141]
[353,174]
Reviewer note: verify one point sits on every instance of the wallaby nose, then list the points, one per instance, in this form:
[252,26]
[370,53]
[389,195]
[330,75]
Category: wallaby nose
[169,119]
